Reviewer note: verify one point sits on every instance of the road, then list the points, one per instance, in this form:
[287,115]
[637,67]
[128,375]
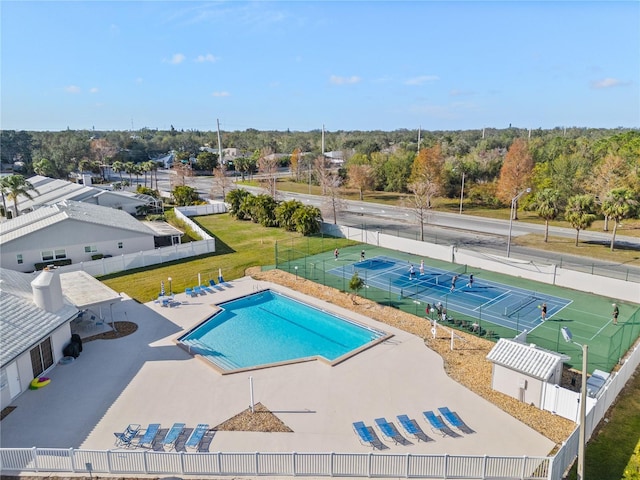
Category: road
[478,233]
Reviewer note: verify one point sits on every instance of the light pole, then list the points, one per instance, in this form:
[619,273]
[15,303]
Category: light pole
[170,288]
[514,202]
[568,336]
[462,192]
[296,267]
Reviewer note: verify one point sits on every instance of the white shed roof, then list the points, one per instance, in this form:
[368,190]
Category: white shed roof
[531,360]
[84,291]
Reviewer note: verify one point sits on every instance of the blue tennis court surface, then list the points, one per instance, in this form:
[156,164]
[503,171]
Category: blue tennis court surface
[490,301]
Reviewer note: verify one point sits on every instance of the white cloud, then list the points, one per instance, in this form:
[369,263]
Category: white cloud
[334,79]
[176,59]
[139,80]
[607,83]
[421,80]
[206,58]
[460,93]
[220,94]
[72,89]
[94,90]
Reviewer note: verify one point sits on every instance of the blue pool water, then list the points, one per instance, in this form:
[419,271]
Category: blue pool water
[268,327]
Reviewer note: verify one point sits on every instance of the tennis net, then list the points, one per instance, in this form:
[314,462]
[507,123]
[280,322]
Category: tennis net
[426,283]
[509,310]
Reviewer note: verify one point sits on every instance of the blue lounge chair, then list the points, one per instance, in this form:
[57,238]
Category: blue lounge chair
[367,436]
[413,429]
[149,435]
[455,420]
[188,292]
[212,282]
[437,425]
[197,291]
[196,435]
[363,433]
[125,438]
[390,431]
[172,435]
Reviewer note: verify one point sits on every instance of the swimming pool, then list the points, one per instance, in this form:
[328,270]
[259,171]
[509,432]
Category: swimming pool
[268,328]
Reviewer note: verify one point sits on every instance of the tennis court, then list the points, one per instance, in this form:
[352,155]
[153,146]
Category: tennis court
[494,302]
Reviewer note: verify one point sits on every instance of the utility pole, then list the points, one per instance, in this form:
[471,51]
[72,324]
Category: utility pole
[219,142]
[419,133]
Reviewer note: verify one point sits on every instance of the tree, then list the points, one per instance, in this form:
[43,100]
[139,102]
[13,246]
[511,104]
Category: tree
[332,200]
[426,174]
[206,161]
[235,198]
[608,174]
[307,219]
[268,167]
[184,195]
[263,210]
[296,156]
[221,182]
[356,284]
[620,203]
[118,167]
[579,213]
[13,186]
[360,177]
[130,169]
[44,167]
[419,202]
[546,205]
[284,214]
[515,173]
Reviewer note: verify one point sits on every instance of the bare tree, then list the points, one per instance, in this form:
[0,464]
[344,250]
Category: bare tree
[332,202]
[268,167]
[420,202]
[221,182]
[323,174]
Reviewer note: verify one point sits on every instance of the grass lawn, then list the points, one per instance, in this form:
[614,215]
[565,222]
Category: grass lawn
[239,245]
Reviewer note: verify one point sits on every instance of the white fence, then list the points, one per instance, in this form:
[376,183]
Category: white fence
[145,258]
[550,274]
[373,465]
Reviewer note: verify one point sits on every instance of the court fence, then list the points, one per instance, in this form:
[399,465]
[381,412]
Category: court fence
[371,465]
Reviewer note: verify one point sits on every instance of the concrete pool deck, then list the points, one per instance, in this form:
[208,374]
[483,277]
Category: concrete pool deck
[145,378]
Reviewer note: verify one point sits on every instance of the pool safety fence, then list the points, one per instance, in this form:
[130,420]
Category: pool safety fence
[372,465]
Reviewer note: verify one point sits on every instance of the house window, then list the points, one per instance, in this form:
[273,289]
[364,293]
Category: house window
[90,249]
[19,258]
[119,244]
[48,255]
[41,357]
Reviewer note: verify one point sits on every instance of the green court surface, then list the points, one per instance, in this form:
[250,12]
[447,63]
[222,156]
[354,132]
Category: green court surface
[494,306]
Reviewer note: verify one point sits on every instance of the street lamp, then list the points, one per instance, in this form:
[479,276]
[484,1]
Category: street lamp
[462,192]
[514,202]
[296,267]
[568,336]
[170,289]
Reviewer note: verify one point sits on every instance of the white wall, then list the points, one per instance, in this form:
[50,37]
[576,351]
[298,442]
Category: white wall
[72,236]
[508,382]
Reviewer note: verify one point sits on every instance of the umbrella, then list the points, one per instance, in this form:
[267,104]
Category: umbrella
[162,288]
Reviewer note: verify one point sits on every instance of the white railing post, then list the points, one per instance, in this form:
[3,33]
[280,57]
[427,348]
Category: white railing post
[34,454]
[294,468]
[257,466]
[406,475]
[369,464]
[73,459]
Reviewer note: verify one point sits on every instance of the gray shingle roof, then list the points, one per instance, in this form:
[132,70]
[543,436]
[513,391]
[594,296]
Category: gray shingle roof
[22,323]
[528,359]
[68,209]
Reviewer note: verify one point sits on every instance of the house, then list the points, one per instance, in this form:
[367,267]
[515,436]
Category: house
[521,370]
[70,232]
[49,191]
[35,320]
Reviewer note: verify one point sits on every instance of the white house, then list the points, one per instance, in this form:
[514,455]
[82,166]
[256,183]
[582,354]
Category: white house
[35,322]
[49,191]
[69,232]
[520,370]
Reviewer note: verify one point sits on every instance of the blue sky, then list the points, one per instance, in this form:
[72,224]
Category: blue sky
[361,65]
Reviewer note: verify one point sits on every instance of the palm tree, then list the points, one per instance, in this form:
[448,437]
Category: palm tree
[118,167]
[618,205]
[579,213]
[546,205]
[13,186]
[130,168]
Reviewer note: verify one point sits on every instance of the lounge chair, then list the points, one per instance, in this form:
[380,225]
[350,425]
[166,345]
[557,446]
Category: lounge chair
[455,420]
[367,436]
[197,290]
[206,289]
[413,429]
[390,432]
[149,435]
[196,436]
[212,282]
[172,435]
[188,292]
[437,425]
[125,438]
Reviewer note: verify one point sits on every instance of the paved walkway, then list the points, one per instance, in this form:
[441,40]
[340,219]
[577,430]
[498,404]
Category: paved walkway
[145,378]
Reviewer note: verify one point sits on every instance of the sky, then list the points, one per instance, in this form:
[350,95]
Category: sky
[302,65]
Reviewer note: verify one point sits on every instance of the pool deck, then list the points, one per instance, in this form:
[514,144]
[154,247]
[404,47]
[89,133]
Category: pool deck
[145,378]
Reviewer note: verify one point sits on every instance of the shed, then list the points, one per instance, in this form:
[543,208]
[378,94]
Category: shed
[520,370]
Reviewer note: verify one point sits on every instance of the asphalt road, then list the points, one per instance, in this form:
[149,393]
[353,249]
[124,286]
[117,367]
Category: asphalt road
[477,233]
